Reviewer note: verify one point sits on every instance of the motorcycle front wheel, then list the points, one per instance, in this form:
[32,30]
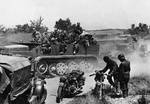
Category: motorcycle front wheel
[59,94]
[43,98]
[39,99]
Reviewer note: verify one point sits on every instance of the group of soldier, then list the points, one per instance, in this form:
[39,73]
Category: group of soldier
[48,39]
[120,74]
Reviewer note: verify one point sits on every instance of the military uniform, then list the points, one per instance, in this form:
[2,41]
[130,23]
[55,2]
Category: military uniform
[124,75]
[113,73]
[62,48]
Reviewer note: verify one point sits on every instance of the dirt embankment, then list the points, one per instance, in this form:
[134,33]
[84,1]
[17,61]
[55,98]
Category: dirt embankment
[138,86]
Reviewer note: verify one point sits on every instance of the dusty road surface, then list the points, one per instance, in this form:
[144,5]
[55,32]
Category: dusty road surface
[52,85]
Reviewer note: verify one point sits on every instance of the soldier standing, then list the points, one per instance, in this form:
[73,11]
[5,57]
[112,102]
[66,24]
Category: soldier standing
[124,74]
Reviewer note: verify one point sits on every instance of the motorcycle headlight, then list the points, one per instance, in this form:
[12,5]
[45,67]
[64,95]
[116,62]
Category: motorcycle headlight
[42,67]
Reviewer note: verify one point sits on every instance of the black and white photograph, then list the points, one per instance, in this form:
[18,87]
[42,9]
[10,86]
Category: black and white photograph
[75,52]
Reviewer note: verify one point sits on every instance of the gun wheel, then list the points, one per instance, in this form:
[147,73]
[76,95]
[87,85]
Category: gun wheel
[61,68]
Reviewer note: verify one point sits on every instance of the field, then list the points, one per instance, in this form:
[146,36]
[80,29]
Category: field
[6,39]
[112,47]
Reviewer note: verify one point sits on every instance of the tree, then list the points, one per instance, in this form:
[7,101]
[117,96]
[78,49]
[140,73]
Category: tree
[38,25]
[28,27]
[63,25]
[2,28]
[133,26]
[141,29]
[66,31]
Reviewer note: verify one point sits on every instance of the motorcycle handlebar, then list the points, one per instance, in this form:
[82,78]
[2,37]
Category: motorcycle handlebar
[95,74]
[92,74]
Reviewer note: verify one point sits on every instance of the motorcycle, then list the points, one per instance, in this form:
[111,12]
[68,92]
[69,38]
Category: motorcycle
[38,92]
[70,85]
[98,89]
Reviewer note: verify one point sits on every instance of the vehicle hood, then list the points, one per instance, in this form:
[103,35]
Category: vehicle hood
[13,63]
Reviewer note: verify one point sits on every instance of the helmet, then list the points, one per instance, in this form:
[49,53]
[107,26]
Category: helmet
[121,57]
[106,58]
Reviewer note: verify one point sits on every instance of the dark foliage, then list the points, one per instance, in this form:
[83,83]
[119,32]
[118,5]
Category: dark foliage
[138,30]
[66,31]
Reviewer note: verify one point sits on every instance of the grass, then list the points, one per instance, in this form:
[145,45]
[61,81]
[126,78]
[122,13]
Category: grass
[138,85]
[88,99]
[6,39]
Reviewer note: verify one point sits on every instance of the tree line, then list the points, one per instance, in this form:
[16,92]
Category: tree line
[62,25]
[27,27]
[141,29]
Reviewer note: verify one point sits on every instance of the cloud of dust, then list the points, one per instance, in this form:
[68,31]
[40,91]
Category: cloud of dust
[140,62]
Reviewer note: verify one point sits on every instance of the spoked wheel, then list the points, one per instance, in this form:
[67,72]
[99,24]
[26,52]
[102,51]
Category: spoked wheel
[72,66]
[85,66]
[61,68]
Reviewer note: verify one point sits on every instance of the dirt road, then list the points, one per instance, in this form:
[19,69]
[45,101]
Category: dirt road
[52,85]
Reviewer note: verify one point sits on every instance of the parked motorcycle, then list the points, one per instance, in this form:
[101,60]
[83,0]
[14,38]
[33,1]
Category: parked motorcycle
[98,89]
[70,85]
[38,92]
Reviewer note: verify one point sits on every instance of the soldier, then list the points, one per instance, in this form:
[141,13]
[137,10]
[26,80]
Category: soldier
[62,48]
[113,73]
[75,47]
[36,35]
[124,74]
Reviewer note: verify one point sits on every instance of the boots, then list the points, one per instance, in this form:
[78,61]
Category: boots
[125,93]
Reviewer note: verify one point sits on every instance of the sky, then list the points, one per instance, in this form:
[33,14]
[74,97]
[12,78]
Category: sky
[92,14]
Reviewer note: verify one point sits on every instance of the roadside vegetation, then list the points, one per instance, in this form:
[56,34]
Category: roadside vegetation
[139,89]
